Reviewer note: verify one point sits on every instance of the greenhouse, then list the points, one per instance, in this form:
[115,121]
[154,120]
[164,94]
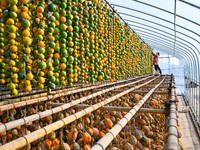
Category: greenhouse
[99,75]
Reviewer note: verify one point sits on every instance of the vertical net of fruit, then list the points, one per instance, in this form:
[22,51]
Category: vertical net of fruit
[58,42]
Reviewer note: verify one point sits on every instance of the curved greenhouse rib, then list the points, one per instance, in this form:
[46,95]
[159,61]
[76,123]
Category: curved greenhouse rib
[159,41]
[187,46]
[167,41]
[157,18]
[169,37]
[189,65]
[167,12]
[185,61]
[196,64]
[163,44]
[189,52]
[168,22]
[158,25]
[193,5]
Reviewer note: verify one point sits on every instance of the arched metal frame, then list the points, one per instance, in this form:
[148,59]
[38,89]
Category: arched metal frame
[192,102]
[180,32]
[163,44]
[147,20]
[160,30]
[161,19]
[194,73]
[186,48]
[156,18]
[176,45]
[167,40]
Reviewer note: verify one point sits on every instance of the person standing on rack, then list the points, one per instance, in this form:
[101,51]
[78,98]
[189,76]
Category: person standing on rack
[155,61]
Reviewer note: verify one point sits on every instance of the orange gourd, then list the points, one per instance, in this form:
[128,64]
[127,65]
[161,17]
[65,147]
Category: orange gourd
[95,132]
[142,122]
[108,123]
[55,142]
[72,135]
[48,143]
[101,134]
[86,147]
[86,138]
[87,120]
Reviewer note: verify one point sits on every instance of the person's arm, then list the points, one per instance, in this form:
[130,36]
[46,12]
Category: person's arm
[153,53]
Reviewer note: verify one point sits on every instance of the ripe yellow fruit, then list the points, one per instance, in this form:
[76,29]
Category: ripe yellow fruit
[41,31]
[28,88]
[70,28]
[13,56]
[12,42]
[41,80]
[27,50]
[25,1]
[26,33]
[2,81]
[41,74]
[40,86]
[27,41]
[25,15]
[56,55]
[27,82]
[10,21]
[14,76]
[12,35]
[13,48]
[29,76]
[14,92]
[14,8]
[12,63]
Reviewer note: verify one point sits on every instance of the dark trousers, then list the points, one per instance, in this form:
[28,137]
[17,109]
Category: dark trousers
[157,68]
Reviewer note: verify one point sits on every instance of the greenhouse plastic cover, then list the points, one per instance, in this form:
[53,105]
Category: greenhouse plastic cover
[171,26]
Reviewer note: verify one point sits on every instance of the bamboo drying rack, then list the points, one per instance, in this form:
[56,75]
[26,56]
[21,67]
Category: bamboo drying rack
[105,141]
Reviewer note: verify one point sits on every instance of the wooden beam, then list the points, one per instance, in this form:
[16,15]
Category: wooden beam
[113,108]
[150,86]
[158,82]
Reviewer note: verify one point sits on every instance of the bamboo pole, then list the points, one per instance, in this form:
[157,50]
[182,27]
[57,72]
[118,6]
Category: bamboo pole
[8,101]
[159,82]
[55,91]
[150,86]
[172,138]
[29,138]
[118,91]
[114,131]
[6,94]
[19,122]
[36,98]
[114,108]
[35,90]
